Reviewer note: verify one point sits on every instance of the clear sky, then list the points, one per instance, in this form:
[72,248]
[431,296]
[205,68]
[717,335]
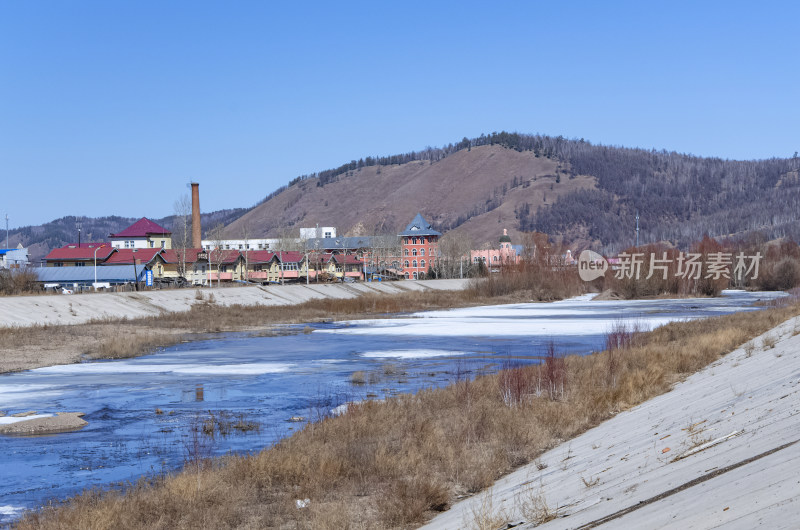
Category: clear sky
[110,108]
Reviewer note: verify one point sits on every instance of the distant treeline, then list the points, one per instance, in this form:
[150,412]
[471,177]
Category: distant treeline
[679,197]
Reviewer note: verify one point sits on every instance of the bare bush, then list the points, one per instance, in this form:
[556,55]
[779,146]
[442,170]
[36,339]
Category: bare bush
[18,281]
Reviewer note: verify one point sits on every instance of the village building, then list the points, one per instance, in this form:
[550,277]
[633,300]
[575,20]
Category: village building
[496,258]
[420,245]
[88,278]
[189,264]
[144,233]
[75,255]
[14,258]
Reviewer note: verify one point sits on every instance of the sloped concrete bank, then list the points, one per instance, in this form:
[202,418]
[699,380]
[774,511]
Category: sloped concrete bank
[719,450]
[81,308]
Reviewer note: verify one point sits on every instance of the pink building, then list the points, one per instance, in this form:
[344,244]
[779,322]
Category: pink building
[494,259]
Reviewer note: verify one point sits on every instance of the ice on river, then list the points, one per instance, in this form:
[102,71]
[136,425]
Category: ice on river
[410,354]
[134,367]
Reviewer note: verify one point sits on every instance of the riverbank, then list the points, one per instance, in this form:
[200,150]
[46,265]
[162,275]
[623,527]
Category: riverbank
[394,463]
[719,450]
[50,310]
[52,330]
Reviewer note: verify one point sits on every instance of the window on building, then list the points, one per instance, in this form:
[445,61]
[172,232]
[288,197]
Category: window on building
[414,240]
[495,258]
[407,276]
[223,268]
[240,246]
[414,263]
[328,234]
[405,264]
[126,243]
[415,275]
[422,252]
[476,259]
[413,252]
[58,264]
[163,244]
[405,252]
[422,263]
[422,241]
[133,243]
[152,244]
[227,247]
[80,264]
[260,246]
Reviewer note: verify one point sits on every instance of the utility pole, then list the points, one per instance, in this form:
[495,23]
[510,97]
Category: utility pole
[637,228]
[6,230]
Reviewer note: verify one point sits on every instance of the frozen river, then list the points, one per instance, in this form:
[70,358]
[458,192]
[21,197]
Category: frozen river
[142,411]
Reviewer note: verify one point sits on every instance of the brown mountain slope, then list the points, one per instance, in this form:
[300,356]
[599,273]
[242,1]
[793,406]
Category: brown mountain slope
[383,199]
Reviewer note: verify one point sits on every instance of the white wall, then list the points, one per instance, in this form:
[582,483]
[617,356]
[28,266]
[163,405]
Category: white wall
[240,244]
[138,242]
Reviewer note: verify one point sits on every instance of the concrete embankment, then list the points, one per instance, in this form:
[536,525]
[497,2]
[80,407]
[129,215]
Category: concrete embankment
[80,308]
[721,450]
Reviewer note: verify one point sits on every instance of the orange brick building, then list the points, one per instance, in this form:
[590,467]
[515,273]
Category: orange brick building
[420,248]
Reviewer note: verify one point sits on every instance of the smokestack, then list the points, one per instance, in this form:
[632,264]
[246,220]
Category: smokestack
[196,236]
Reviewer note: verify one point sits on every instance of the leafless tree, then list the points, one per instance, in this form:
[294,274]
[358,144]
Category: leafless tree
[216,255]
[453,260]
[181,231]
[246,239]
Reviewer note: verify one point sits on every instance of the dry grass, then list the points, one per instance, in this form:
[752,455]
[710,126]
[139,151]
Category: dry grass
[533,505]
[393,464]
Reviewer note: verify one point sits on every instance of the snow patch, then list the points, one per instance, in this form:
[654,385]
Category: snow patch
[8,420]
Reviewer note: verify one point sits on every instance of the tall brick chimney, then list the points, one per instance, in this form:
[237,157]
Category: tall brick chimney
[197,241]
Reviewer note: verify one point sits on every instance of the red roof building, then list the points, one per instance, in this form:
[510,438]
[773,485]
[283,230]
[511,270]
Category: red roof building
[73,255]
[144,233]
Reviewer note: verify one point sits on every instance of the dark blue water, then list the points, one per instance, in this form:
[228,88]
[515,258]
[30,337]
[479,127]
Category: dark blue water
[144,413]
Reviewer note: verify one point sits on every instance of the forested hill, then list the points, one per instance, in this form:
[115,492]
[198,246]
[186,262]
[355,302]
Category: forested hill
[40,239]
[587,193]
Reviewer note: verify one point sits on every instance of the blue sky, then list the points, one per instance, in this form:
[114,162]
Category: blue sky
[110,108]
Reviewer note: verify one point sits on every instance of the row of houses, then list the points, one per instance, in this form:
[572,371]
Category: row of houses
[147,248]
[202,267]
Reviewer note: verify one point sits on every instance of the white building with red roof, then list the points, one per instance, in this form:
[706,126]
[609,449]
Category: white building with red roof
[144,233]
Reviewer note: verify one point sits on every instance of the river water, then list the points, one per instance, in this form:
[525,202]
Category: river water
[144,413]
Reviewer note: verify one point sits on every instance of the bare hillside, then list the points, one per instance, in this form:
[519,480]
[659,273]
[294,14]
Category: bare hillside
[476,191]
